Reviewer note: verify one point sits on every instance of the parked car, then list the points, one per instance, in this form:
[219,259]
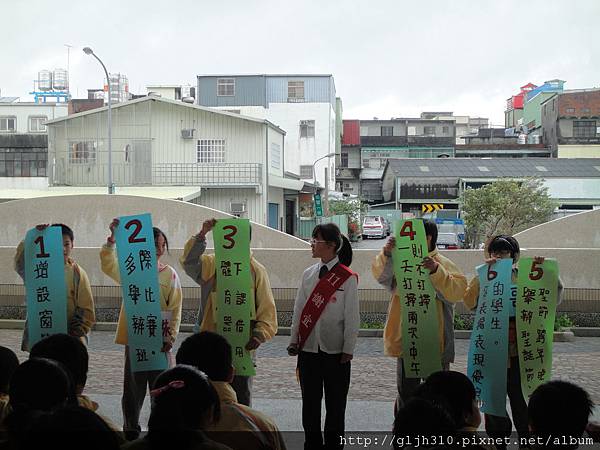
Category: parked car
[375,226]
[448,241]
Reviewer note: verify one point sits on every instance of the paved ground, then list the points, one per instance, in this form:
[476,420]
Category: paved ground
[370,243]
[277,393]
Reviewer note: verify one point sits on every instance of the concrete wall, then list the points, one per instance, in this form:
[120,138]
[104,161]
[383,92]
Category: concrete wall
[89,216]
[579,151]
[580,231]
[578,267]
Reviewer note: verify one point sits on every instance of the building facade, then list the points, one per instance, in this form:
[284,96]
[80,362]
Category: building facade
[235,163]
[464,125]
[571,123]
[304,106]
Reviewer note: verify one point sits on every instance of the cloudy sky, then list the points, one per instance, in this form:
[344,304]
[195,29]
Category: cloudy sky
[389,58]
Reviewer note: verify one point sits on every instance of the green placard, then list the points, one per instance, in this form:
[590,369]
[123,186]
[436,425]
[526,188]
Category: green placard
[318,206]
[537,291]
[420,334]
[235,294]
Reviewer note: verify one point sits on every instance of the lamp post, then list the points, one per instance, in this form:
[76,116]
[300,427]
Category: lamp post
[111,186]
[328,155]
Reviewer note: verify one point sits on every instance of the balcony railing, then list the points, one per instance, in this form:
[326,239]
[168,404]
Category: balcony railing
[166,174]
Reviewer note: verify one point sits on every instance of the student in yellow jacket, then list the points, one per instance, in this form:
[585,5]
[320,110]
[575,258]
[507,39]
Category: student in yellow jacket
[201,268]
[134,385]
[450,284]
[81,315]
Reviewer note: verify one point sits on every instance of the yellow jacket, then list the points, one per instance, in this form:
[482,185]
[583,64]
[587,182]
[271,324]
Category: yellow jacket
[170,293]
[81,315]
[259,430]
[5,410]
[201,268]
[449,283]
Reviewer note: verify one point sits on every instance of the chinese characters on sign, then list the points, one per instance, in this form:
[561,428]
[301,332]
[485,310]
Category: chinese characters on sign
[488,352]
[537,287]
[45,286]
[235,293]
[140,289]
[420,332]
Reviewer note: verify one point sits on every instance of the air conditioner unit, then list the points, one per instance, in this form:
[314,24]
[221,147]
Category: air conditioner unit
[237,208]
[188,133]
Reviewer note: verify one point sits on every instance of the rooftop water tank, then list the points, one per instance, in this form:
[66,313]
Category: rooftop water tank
[60,80]
[44,80]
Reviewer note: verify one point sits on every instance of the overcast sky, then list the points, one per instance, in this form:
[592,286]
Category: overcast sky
[389,58]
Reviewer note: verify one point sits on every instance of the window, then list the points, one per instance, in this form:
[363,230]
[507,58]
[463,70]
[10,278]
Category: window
[211,150]
[225,87]
[344,159]
[387,131]
[35,124]
[570,110]
[306,172]
[412,131]
[364,131]
[8,124]
[23,164]
[585,110]
[295,91]
[584,128]
[275,155]
[429,131]
[307,128]
[445,130]
[82,152]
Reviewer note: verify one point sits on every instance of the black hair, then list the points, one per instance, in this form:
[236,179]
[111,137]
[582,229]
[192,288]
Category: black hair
[208,352]
[504,242]
[67,350]
[67,427]
[431,229]
[179,411]
[158,232]
[65,230]
[420,417]
[452,390]
[330,232]
[8,363]
[559,408]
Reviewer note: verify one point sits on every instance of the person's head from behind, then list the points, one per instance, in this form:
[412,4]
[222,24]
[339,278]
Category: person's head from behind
[183,399]
[208,352]
[420,417]
[431,232]
[68,427]
[456,393]
[67,350]
[68,238]
[160,242]
[559,408]
[504,246]
[328,242]
[8,364]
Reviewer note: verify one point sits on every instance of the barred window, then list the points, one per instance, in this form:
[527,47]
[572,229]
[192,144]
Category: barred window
[36,124]
[307,128]
[16,163]
[584,128]
[387,131]
[295,91]
[8,124]
[306,172]
[225,87]
[82,152]
[211,150]
[429,131]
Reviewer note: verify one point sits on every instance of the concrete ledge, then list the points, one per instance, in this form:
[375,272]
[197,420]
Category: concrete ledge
[559,336]
[586,331]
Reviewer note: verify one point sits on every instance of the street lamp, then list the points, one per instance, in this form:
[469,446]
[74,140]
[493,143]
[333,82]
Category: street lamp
[328,155]
[111,186]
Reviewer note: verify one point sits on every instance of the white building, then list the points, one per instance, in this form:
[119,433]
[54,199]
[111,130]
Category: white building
[217,159]
[24,144]
[304,106]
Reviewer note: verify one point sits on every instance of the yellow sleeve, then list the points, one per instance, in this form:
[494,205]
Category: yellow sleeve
[20,260]
[266,313]
[198,266]
[449,280]
[174,304]
[383,271]
[109,263]
[472,293]
[85,302]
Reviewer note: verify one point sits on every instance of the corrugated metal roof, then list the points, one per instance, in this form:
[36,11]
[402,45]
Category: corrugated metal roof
[8,99]
[496,167]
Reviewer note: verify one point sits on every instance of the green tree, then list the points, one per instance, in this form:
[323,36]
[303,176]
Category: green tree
[353,208]
[505,207]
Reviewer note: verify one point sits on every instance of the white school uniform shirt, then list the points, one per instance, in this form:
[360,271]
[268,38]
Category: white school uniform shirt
[336,330]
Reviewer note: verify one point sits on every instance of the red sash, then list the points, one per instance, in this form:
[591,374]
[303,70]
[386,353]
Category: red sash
[318,299]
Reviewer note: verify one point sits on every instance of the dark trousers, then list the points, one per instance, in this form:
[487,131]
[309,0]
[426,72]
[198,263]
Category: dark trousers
[406,386]
[320,372]
[134,392]
[497,426]
[243,389]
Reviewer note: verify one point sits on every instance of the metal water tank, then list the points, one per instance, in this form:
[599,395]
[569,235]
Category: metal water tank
[44,80]
[60,80]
